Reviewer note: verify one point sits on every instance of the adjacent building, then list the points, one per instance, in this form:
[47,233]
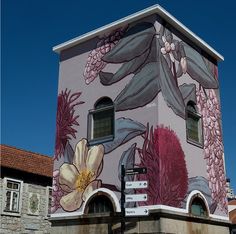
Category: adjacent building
[142,92]
[26,185]
[230,190]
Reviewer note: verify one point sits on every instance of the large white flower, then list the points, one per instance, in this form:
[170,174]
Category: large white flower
[79,179]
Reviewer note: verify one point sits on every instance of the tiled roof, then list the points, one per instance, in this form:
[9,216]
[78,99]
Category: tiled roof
[232,202]
[26,161]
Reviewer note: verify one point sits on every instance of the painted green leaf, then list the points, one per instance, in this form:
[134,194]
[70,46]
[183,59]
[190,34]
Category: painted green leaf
[127,68]
[141,90]
[170,90]
[134,43]
[197,68]
[188,92]
[125,130]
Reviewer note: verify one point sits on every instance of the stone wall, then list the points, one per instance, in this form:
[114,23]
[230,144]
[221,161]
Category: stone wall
[25,221]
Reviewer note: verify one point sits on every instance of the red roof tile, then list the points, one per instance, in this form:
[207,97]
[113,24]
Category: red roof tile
[232,202]
[26,161]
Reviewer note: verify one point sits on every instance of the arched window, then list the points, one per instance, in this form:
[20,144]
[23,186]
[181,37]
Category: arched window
[101,121]
[193,124]
[100,204]
[198,207]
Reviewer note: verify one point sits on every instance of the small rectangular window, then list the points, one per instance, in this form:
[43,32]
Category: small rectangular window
[193,126]
[12,196]
[101,122]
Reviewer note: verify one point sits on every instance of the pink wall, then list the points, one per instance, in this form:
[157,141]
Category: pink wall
[157,73]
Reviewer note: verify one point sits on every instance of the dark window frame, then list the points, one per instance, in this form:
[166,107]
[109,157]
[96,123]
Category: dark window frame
[198,202]
[105,108]
[192,114]
[99,204]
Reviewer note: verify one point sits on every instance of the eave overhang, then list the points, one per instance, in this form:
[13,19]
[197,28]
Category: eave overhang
[155,9]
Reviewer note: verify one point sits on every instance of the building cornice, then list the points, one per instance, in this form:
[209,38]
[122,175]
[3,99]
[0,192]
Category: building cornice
[155,9]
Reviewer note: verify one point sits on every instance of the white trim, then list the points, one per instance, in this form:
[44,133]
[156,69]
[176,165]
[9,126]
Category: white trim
[169,208]
[107,191]
[18,213]
[136,16]
[219,217]
[193,193]
[66,214]
[152,207]
[47,214]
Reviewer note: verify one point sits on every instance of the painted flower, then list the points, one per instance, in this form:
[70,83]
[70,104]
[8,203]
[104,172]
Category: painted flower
[209,107]
[94,62]
[167,174]
[66,120]
[57,192]
[172,50]
[79,179]
[168,47]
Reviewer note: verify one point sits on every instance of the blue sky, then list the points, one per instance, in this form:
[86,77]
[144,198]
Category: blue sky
[29,67]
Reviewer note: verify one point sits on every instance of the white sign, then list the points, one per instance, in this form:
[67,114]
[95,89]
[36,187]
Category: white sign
[136,184]
[135,197]
[139,211]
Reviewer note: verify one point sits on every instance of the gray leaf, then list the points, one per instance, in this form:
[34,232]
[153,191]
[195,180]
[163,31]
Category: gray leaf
[127,159]
[141,90]
[179,71]
[169,36]
[188,92]
[201,184]
[69,153]
[125,130]
[134,43]
[127,68]
[170,90]
[154,54]
[197,69]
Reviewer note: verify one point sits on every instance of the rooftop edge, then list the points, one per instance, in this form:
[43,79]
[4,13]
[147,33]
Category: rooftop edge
[136,16]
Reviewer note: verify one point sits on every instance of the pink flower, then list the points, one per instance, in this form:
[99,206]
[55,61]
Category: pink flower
[94,62]
[66,120]
[167,174]
[57,192]
[209,107]
[168,48]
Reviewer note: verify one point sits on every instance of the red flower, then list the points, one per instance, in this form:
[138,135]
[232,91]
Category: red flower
[66,120]
[167,174]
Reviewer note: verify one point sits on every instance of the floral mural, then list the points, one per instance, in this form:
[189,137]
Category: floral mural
[79,179]
[57,192]
[209,106]
[95,63]
[155,61]
[66,120]
[167,174]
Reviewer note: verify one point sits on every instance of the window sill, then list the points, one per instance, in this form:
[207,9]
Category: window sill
[195,143]
[15,214]
[100,140]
